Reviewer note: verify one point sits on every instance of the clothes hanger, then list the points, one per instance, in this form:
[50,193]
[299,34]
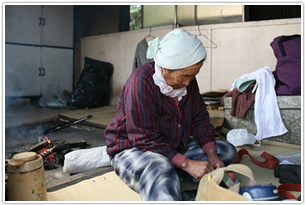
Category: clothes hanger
[214,44]
[149,35]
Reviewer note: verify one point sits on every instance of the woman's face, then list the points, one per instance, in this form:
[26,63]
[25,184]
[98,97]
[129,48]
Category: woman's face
[182,77]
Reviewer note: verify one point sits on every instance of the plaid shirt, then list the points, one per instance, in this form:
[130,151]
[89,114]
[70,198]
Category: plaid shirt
[150,121]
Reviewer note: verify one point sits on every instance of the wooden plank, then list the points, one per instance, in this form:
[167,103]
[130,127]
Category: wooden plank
[37,146]
[100,116]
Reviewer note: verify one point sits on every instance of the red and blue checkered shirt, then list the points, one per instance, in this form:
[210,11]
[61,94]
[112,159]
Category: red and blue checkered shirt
[150,121]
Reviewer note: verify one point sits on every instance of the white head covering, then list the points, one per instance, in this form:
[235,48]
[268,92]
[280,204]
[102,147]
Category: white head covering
[176,50]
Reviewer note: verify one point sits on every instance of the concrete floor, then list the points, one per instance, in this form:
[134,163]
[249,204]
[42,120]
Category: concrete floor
[22,112]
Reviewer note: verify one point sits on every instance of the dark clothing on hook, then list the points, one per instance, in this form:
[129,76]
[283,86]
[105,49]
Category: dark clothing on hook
[140,55]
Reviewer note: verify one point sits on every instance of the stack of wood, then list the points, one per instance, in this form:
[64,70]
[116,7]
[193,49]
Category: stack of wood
[215,109]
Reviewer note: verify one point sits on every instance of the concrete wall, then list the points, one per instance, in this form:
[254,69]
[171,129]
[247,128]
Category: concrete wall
[241,48]
[290,110]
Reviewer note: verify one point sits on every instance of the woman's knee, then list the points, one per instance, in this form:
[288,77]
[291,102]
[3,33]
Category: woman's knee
[225,151]
[157,163]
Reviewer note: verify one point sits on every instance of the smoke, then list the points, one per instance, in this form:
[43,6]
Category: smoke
[20,138]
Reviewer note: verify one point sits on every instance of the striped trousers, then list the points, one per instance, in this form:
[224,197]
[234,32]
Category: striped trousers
[154,177]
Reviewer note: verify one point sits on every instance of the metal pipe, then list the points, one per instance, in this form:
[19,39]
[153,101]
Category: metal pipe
[175,16]
[54,129]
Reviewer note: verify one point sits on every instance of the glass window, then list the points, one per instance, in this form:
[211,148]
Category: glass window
[157,15]
[188,15]
[213,14]
[135,17]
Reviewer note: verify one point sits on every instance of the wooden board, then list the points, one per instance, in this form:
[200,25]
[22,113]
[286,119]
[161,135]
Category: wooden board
[101,116]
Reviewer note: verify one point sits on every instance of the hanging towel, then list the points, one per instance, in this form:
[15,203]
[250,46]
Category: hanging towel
[266,111]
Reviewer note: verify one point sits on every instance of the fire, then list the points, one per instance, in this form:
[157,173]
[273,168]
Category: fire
[49,141]
[47,154]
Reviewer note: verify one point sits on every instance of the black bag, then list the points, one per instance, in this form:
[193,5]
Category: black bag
[288,173]
[94,86]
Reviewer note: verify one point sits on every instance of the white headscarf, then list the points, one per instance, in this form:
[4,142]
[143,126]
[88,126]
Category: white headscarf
[166,89]
[178,49]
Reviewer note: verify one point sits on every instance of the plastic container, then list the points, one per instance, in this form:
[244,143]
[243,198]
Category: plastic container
[265,192]
[26,180]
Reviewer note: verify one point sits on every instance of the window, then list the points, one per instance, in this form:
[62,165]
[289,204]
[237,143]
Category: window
[135,17]
[188,15]
[266,12]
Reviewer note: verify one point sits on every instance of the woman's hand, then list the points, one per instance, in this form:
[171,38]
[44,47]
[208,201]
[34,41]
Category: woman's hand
[199,168]
[196,168]
[213,159]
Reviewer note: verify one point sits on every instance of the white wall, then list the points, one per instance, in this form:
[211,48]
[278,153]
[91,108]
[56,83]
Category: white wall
[241,48]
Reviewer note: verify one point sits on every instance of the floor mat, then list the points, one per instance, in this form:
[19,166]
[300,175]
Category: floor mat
[107,187]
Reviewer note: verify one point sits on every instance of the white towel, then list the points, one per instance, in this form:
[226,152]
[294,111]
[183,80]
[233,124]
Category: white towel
[266,111]
[166,89]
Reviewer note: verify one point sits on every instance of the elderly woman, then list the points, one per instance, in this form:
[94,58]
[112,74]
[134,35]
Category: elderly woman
[161,131]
